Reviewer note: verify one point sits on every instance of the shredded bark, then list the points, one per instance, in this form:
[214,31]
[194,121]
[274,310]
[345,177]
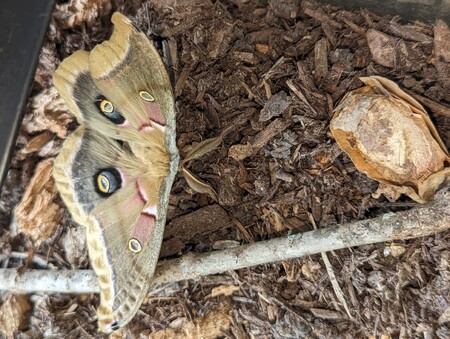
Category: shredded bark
[266,76]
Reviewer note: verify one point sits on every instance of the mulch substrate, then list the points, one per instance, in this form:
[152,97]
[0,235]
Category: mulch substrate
[270,74]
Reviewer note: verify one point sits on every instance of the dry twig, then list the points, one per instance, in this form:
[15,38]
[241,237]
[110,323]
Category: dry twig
[418,222]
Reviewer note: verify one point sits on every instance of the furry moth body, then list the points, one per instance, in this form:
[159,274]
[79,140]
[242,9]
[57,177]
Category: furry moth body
[116,170]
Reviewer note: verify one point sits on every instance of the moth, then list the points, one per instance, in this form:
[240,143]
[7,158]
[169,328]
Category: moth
[115,172]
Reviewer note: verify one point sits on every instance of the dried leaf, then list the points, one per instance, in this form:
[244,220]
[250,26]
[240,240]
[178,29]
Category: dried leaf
[198,185]
[202,148]
[37,213]
[390,137]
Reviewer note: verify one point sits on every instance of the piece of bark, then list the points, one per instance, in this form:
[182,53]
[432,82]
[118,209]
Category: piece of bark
[276,106]
[246,57]
[82,12]
[202,221]
[434,106]
[171,247]
[48,113]
[326,314]
[320,59]
[442,50]
[286,9]
[40,196]
[36,143]
[329,33]
[409,33]
[394,53]
[319,16]
[211,325]
[73,242]
[240,152]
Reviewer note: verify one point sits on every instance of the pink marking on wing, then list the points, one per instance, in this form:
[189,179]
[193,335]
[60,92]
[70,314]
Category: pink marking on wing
[124,176]
[145,128]
[141,194]
[143,227]
[154,113]
[126,123]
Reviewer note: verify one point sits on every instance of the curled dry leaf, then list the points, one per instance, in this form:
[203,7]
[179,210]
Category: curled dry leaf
[196,152]
[202,148]
[37,213]
[197,185]
[390,137]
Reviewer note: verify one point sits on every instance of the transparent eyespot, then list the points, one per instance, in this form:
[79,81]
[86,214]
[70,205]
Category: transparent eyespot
[134,245]
[106,106]
[146,96]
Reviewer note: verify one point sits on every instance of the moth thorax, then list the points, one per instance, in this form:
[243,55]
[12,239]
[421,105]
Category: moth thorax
[152,157]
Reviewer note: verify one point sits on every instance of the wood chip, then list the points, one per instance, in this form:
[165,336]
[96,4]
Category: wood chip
[240,152]
[394,53]
[409,33]
[246,57]
[225,290]
[322,17]
[320,59]
[40,196]
[325,314]
[434,106]
[442,50]
[37,142]
[203,221]
[276,106]
[13,315]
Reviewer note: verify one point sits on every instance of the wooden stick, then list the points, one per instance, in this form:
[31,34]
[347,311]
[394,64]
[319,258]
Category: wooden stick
[421,221]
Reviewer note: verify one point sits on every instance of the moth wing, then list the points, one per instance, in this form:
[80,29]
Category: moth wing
[74,83]
[142,148]
[124,276]
[129,71]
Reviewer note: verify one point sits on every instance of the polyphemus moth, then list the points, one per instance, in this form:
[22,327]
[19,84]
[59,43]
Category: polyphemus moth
[116,170]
